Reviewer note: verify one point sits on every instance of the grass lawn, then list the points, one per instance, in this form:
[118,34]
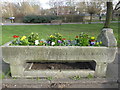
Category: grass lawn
[69,31]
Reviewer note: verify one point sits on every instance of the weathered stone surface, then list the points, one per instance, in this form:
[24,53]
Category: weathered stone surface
[17,56]
[107,37]
[21,53]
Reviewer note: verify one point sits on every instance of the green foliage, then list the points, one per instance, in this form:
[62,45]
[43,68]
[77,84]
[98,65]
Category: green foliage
[90,76]
[32,37]
[24,40]
[20,42]
[49,78]
[83,39]
[2,76]
[48,19]
[39,19]
[75,77]
[55,40]
[5,74]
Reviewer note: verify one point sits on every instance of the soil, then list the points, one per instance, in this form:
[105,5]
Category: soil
[61,66]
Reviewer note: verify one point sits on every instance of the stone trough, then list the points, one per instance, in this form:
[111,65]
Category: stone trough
[22,58]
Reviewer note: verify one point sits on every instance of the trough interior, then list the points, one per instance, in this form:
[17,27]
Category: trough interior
[86,65]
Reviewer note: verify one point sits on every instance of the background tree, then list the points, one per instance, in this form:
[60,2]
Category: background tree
[55,6]
[20,9]
[117,7]
[94,8]
[71,4]
[81,7]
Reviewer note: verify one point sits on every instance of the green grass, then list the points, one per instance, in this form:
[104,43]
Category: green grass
[69,31]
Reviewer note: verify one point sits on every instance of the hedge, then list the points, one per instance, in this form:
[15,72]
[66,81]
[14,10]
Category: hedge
[39,19]
[48,19]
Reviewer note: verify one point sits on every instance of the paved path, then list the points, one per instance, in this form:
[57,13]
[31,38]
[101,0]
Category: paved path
[49,23]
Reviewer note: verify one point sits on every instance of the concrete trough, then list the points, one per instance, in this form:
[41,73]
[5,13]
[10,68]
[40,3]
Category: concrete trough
[19,56]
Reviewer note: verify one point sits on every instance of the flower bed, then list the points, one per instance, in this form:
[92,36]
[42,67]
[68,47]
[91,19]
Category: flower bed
[56,40]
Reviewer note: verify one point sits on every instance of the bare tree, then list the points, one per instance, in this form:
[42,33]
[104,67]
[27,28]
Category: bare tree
[72,6]
[55,5]
[94,8]
[81,7]
[20,9]
[8,9]
[117,7]
[58,6]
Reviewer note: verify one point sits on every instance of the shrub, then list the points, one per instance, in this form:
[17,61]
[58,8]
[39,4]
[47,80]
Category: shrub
[39,19]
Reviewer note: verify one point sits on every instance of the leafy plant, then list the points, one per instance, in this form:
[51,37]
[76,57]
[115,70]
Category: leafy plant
[2,76]
[90,76]
[84,39]
[75,77]
[24,42]
[32,37]
[56,40]
[49,78]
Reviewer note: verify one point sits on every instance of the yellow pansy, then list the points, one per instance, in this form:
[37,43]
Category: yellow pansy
[24,37]
[92,37]
[100,42]
[51,36]
[97,43]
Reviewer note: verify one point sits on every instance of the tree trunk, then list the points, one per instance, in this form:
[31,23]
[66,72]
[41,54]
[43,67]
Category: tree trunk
[108,15]
[90,18]
[113,15]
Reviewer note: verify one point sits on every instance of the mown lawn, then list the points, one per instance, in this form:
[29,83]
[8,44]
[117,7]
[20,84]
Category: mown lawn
[68,31]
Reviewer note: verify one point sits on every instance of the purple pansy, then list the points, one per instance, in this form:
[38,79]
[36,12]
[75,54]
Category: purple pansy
[48,42]
[59,41]
[92,43]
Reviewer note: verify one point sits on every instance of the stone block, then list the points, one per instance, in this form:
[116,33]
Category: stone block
[107,37]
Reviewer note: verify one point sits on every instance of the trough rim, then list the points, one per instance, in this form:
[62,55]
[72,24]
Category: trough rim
[7,45]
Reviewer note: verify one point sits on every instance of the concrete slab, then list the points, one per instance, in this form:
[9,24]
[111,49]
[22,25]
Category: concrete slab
[95,83]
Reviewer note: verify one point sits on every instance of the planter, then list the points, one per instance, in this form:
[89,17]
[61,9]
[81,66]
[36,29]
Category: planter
[21,58]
